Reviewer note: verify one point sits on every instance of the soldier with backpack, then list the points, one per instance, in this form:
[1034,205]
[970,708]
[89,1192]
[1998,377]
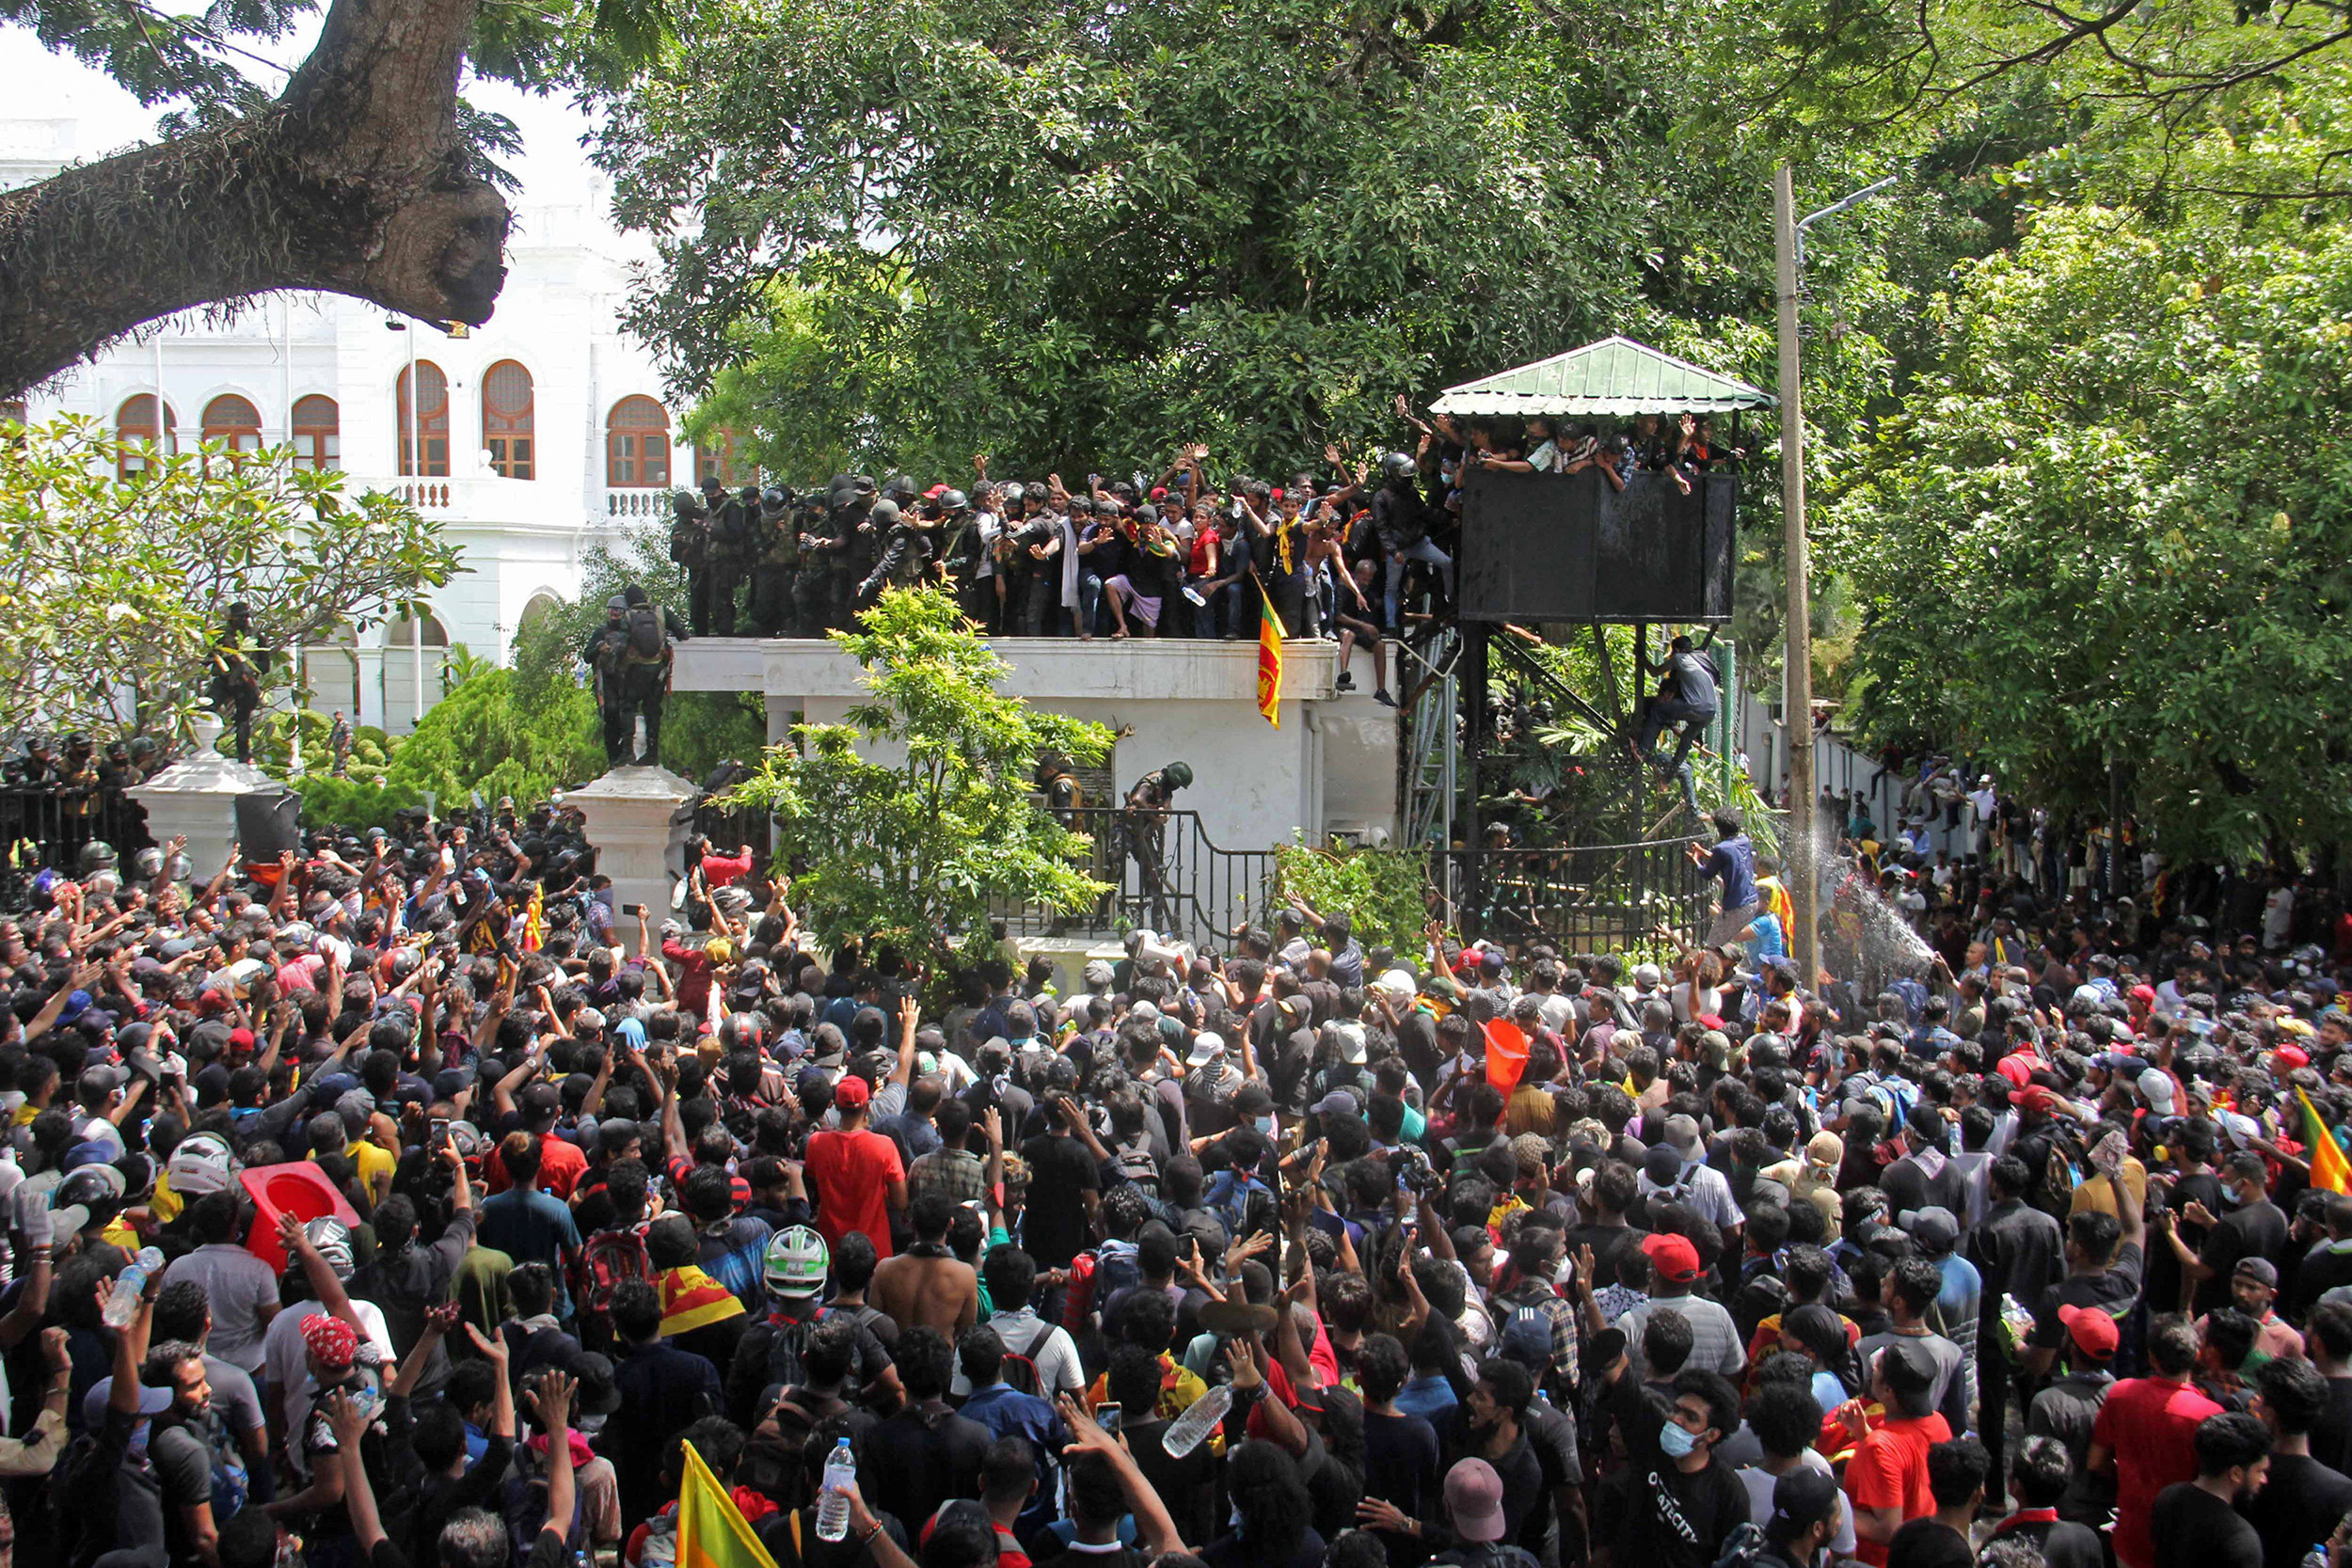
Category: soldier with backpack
[777,564]
[604,655]
[641,665]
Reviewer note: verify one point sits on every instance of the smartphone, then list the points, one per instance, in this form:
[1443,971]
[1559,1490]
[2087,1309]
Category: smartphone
[438,1132]
[632,909]
[1109,1417]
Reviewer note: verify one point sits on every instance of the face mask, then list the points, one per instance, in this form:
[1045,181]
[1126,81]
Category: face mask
[1265,1125]
[1677,1440]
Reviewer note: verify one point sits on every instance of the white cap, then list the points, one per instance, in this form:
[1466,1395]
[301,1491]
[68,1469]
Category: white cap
[1206,1047]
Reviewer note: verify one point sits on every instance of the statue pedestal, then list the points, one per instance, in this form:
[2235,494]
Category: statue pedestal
[635,820]
[197,799]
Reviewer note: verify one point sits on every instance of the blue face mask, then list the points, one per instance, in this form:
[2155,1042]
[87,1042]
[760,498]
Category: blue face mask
[1265,1125]
[1676,1439]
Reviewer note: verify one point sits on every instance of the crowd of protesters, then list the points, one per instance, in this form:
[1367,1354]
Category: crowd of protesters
[1358,555]
[2034,1254]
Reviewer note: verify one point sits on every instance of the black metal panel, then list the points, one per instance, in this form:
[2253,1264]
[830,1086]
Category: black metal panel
[1574,547]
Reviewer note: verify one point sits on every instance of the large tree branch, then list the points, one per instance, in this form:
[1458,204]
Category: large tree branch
[354,181]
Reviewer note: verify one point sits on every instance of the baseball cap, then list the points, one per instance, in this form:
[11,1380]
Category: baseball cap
[1675,1258]
[1206,1047]
[152,1401]
[2156,1086]
[1473,1500]
[1682,1135]
[2092,1331]
[851,1093]
[2261,1270]
[1936,1229]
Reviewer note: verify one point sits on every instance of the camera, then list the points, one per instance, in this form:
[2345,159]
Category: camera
[1411,1167]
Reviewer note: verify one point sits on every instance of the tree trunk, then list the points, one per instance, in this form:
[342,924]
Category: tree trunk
[354,181]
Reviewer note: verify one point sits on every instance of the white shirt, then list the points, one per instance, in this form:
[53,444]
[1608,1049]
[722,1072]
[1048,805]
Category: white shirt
[287,1361]
[1760,1482]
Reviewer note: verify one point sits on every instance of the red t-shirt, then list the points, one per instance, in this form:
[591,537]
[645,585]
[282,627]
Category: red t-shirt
[561,1166]
[2150,1425]
[851,1173]
[1889,1469]
[719,870]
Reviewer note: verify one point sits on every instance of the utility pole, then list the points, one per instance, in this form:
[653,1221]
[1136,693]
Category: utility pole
[1797,706]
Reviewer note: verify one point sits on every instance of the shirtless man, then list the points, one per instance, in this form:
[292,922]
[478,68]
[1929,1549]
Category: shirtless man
[926,1286]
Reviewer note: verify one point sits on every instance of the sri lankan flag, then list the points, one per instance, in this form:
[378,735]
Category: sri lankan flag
[1270,661]
[711,1530]
[2330,1170]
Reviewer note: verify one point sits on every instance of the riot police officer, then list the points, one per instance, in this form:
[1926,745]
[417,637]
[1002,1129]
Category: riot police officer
[733,542]
[906,551]
[777,563]
[1143,825]
[689,547]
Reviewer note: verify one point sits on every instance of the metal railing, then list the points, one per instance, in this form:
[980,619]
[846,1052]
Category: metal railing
[1596,897]
[47,825]
[1176,881]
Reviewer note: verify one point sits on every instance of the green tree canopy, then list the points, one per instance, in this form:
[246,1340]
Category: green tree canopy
[2112,527]
[121,582]
[907,230]
[914,820]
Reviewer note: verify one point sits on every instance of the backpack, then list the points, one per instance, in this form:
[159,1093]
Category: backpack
[773,1461]
[1019,1374]
[1741,1547]
[1117,1266]
[689,540]
[646,638]
[610,1259]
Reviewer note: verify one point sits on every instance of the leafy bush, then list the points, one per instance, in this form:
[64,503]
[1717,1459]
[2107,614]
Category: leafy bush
[1381,892]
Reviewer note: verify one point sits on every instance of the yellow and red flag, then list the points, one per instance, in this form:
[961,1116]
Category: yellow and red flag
[711,1530]
[2331,1171]
[1270,661]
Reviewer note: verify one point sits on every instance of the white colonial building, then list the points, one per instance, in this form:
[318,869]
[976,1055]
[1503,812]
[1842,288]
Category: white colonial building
[531,437]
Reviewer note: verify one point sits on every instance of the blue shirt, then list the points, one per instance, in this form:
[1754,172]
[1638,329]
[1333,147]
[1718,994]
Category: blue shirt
[1733,862]
[530,1226]
[1428,1396]
[1767,942]
[1010,1413]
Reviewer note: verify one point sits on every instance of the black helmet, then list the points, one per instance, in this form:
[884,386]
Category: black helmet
[749,495]
[685,503]
[1177,775]
[898,488]
[1395,466]
[1012,494]
[884,513]
[954,500]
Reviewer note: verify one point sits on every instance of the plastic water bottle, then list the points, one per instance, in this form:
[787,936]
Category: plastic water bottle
[1185,1434]
[833,1504]
[124,1304]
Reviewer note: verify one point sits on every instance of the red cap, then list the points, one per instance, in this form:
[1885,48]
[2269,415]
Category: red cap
[1675,1259]
[241,1038]
[851,1094]
[2295,1056]
[2092,1330]
[2038,1097]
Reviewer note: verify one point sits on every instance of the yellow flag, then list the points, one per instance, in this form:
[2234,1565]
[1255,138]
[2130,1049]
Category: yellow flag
[1269,662]
[711,1530]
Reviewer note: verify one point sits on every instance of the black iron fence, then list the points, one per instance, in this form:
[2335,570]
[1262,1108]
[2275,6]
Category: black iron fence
[49,825]
[1166,876]
[1596,897]
[729,828]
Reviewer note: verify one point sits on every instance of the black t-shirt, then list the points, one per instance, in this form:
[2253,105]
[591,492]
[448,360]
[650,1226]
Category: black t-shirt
[919,1458]
[2062,1543]
[2252,1230]
[2331,1437]
[1401,1464]
[2298,1507]
[1053,1226]
[2113,1292]
[1929,1542]
[2193,1528]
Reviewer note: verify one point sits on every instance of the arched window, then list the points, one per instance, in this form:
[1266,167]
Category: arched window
[506,419]
[427,421]
[233,420]
[414,654]
[637,444]
[717,462]
[318,432]
[136,421]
